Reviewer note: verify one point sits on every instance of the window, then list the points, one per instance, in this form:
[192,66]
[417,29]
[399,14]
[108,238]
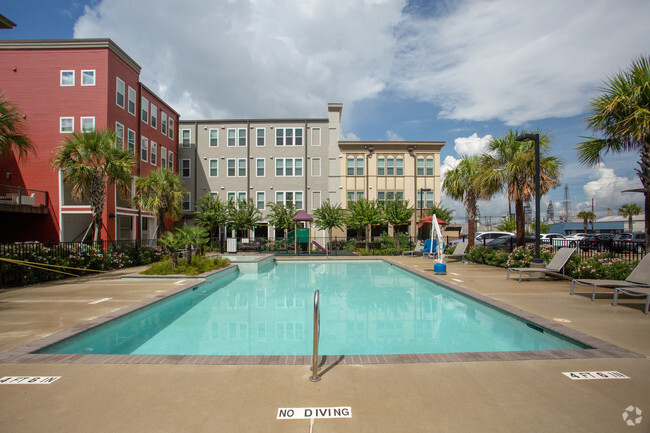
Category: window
[87,124]
[260,199]
[241,167]
[298,166]
[390,166]
[154,153]
[131,140]
[429,166]
[154,116]
[279,167]
[315,200]
[315,136]
[187,204]
[163,122]
[171,160]
[288,167]
[420,167]
[119,93]
[186,135]
[171,128]
[231,167]
[163,157]
[261,136]
[260,164]
[144,149]
[360,166]
[119,135]
[213,137]
[241,196]
[213,167]
[131,102]
[399,166]
[428,199]
[315,167]
[66,124]
[355,195]
[288,137]
[67,78]
[232,136]
[298,135]
[231,196]
[145,110]
[389,196]
[242,137]
[186,170]
[350,165]
[279,137]
[88,78]
[381,167]
[285,197]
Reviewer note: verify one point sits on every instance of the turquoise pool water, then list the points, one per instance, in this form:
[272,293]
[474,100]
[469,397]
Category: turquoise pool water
[367,307]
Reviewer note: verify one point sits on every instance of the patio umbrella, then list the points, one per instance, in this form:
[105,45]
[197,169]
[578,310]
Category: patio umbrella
[429,220]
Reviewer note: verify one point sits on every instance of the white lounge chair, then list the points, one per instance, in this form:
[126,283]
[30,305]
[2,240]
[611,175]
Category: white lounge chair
[459,252]
[416,251]
[640,277]
[553,267]
[634,291]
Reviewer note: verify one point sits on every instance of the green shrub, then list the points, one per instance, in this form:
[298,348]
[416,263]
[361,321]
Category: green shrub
[487,256]
[600,266]
[522,257]
[199,265]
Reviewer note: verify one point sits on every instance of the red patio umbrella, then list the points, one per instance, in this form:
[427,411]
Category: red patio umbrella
[429,220]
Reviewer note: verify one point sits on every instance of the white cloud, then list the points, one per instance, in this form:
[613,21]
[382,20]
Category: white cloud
[518,60]
[393,136]
[606,189]
[350,136]
[472,145]
[254,58]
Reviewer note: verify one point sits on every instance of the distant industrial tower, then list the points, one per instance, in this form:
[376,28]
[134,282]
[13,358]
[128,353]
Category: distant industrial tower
[550,214]
[566,213]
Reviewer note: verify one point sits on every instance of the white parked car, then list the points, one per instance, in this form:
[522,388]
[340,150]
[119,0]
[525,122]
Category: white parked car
[572,241]
[485,237]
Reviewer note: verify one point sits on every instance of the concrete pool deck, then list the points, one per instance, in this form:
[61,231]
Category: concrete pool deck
[528,395]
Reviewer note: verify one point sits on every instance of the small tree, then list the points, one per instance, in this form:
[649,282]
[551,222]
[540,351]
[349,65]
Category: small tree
[192,236]
[363,214]
[162,193]
[281,216]
[507,224]
[212,213]
[245,216]
[587,217]
[629,210]
[172,242]
[328,217]
[397,213]
[441,212]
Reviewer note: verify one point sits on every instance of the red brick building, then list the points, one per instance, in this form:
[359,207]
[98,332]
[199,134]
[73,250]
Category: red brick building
[63,86]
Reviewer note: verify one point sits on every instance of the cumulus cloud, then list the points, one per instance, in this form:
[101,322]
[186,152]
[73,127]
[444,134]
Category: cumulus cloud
[517,61]
[253,58]
[606,190]
[393,136]
[350,136]
[472,145]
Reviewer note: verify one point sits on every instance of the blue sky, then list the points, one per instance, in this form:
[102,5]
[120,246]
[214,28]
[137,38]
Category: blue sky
[453,71]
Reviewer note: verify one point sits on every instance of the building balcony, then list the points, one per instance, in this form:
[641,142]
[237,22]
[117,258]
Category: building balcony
[22,200]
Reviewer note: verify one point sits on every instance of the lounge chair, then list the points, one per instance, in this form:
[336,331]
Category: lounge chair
[553,267]
[459,253]
[417,251]
[640,277]
[634,291]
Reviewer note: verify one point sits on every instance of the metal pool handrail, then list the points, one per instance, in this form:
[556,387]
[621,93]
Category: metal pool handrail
[314,358]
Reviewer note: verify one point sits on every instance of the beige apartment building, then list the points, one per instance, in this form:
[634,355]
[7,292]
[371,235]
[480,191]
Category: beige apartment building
[302,161]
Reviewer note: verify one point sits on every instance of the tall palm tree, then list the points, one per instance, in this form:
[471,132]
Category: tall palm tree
[12,135]
[162,193]
[510,164]
[328,217]
[461,183]
[622,116]
[90,160]
[629,210]
[587,216]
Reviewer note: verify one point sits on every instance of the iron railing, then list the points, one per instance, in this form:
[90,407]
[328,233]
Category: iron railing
[17,195]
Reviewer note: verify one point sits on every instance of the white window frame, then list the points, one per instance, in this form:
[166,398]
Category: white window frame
[189,168]
[231,195]
[258,137]
[187,208]
[257,200]
[63,130]
[291,163]
[187,143]
[210,137]
[163,157]
[233,138]
[120,85]
[119,135]
[171,128]
[289,133]
[234,167]
[241,195]
[163,122]
[427,167]
[316,167]
[94,77]
[241,140]
[399,171]
[239,167]
[316,132]
[130,140]
[66,73]
[350,161]
[154,117]
[153,160]
[144,110]
[216,167]
[132,95]
[420,170]
[381,167]
[294,194]
[257,167]
[170,160]
[85,119]
[144,149]
[315,194]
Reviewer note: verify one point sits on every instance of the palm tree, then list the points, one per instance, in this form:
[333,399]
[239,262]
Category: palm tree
[90,160]
[160,192]
[629,210]
[622,115]
[190,236]
[172,241]
[12,135]
[441,212]
[587,217]
[329,216]
[461,184]
[510,164]
[363,214]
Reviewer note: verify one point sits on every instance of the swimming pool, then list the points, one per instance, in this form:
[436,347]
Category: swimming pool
[367,307]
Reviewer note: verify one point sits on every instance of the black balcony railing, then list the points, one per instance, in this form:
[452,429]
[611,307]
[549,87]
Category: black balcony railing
[16,195]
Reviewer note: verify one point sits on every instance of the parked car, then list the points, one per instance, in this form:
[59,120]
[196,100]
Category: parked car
[482,238]
[572,241]
[597,242]
[506,243]
[630,242]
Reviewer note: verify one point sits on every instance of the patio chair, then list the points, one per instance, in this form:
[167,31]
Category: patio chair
[640,277]
[459,253]
[416,251]
[634,291]
[553,267]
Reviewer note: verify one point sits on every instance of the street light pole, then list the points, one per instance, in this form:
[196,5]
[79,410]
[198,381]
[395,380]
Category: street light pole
[535,137]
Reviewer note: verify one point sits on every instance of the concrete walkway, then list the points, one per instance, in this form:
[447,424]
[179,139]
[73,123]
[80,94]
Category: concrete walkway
[504,396]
